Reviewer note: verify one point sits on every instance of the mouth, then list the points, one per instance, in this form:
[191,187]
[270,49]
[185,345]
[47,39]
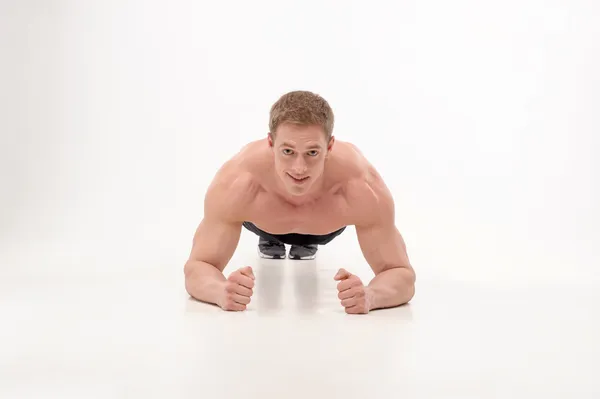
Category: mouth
[299,180]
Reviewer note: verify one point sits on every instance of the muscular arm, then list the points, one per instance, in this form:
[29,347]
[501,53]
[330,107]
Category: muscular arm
[216,238]
[384,249]
[214,243]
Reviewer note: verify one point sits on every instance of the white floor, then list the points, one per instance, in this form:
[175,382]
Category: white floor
[135,333]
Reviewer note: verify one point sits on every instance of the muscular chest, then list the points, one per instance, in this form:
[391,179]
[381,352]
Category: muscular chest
[279,217]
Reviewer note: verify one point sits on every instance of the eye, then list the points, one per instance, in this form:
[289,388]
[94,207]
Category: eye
[313,153]
[287,151]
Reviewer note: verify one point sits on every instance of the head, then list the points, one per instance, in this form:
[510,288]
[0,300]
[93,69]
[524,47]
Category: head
[301,137]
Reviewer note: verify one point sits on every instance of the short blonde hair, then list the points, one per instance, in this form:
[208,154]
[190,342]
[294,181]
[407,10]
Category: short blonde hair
[303,108]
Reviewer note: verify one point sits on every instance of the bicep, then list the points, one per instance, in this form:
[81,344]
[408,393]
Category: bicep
[380,241]
[215,242]
[218,234]
[383,246]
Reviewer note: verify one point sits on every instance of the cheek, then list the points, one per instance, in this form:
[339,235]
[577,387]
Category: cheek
[315,164]
[280,164]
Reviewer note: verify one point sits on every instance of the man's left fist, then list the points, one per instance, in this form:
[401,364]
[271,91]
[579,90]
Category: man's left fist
[352,292]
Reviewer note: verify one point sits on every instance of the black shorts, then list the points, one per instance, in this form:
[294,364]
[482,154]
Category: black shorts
[294,238]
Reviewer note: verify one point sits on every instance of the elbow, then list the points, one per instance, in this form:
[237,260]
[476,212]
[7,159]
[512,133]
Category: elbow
[412,279]
[410,292]
[187,269]
[188,273]
[409,278]
[188,286]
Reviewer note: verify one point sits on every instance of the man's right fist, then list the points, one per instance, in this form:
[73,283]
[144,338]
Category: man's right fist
[238,289]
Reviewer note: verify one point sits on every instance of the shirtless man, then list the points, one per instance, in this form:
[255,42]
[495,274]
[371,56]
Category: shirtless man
[299,186]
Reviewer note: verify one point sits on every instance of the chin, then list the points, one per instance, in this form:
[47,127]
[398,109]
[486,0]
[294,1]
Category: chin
[297,189]
[296,192]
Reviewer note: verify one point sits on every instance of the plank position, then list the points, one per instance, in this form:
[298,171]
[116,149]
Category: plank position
[299,186]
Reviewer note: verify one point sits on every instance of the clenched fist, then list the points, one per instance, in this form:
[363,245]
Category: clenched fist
[238,289]
[352,292]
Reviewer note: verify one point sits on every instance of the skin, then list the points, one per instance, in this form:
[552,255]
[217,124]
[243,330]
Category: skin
[341,188]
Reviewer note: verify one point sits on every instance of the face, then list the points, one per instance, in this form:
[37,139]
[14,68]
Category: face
[300,153]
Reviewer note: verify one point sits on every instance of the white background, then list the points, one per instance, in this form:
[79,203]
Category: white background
[483,118]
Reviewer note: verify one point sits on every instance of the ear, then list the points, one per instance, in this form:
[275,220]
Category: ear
[331,142]
[270,139]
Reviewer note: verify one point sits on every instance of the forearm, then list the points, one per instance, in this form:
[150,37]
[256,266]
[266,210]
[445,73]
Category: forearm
[204,282]
[392,287]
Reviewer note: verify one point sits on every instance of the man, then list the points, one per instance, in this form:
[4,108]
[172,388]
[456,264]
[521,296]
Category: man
[299,186]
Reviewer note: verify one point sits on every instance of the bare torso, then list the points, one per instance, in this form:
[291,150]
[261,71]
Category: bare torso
[344,198]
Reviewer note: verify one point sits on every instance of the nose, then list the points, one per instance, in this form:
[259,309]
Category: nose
[299,166]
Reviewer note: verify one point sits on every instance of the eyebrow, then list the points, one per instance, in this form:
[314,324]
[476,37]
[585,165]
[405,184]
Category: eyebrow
[310,147]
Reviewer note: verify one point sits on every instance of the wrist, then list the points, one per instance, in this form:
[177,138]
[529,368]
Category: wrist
[205,286]
[371,298]
[219,292]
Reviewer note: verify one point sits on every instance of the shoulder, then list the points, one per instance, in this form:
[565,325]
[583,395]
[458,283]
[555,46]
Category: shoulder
[367,195]
[231,191]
